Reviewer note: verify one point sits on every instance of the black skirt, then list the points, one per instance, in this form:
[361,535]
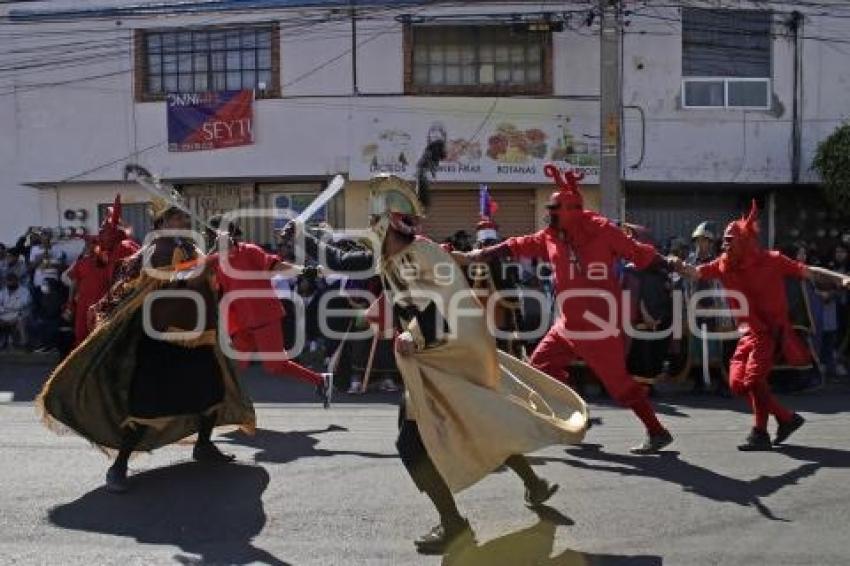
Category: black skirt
[171,380]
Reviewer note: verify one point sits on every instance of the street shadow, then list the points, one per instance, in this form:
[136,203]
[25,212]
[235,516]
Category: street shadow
[823,457]
[830,400]
[210,511]
[670,410]
[276,447]
[534,546]
[669,467]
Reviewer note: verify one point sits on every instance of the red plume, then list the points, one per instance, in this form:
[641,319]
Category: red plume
[752,218]
[115,216]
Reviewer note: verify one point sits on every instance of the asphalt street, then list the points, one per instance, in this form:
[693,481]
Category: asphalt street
[317,487]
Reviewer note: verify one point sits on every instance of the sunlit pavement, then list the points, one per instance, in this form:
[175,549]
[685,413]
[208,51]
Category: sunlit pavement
[325,487]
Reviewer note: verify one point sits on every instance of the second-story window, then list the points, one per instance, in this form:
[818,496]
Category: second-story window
[208,59]
[488,59]
[726,58]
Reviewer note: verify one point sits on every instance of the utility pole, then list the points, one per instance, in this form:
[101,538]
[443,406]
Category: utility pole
[355,89]
[611,110]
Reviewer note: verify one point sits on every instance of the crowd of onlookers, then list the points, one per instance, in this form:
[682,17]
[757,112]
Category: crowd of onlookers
[822,312]
[34,317]
[32,295]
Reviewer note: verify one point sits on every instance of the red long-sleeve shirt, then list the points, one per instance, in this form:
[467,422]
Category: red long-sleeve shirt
[762,282]
[248,313]
[584,263]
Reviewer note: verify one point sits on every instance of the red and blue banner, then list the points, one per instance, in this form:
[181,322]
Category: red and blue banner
[210,120]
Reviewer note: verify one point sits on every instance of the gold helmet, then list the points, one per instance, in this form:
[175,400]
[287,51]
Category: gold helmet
[389,193]
[393,203]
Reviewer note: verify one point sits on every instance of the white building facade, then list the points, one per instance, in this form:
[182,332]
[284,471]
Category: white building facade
[710,119]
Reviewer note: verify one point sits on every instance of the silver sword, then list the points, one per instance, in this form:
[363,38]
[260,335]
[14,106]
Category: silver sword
[324,197]
[151,184]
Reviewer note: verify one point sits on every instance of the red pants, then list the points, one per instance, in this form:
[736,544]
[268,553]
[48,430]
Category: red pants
[606,357]
[269,339]
[749,371]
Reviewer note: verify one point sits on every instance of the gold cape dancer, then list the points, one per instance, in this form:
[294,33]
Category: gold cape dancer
[468,409]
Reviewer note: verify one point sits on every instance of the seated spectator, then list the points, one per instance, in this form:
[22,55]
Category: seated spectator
[15,303]
[43,249]
[16,265]
[44,270]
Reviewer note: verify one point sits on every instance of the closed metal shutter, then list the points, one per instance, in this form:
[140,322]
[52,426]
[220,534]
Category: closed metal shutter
[669,215]
[457,209]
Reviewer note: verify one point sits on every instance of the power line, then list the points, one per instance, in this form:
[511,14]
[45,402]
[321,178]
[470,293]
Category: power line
[137,152]
[102,57]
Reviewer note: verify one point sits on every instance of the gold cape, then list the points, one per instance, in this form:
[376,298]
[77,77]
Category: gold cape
[88,392]
[474,405]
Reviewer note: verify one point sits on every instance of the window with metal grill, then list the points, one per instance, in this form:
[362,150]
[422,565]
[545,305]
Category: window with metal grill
[487,59]
[209,59]
[726,58]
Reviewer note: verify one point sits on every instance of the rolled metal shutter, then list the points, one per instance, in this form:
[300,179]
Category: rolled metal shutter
[457,209]
[673,215]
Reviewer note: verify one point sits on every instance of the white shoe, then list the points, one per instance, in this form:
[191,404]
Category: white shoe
[388,386]
[356,388]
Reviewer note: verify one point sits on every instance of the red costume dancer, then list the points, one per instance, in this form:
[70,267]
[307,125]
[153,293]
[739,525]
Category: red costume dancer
[113,240]
[255,324]
[759,275]
[93,271]
[582,247]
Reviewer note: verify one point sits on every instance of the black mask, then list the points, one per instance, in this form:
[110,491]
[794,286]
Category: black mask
[12,287]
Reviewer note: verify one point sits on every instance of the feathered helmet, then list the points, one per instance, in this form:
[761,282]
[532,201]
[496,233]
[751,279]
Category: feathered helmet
[568,195]
[393,203]
[741,239]
[161,207]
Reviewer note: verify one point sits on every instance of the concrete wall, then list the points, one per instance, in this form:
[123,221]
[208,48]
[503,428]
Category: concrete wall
[54,202]
[698,145]
[726,145]
[54,131]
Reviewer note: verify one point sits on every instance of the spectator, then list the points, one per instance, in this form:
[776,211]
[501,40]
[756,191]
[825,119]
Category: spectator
[15,303]
[704,249]
[679,248]
[841,264]
[3,259]
[42,248]
[840,260]
[45,269]
[47,314]
[16,266]
[462,241]
[829,328]
[806,308]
